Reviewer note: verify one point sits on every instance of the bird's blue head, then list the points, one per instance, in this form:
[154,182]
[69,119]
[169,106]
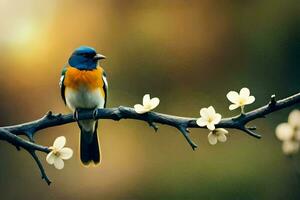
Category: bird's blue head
[85,58]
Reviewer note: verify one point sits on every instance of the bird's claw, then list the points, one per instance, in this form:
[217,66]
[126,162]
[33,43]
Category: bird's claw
[76,115]
[95,113]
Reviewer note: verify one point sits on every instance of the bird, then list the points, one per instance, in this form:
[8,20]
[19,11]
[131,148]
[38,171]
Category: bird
[84,86]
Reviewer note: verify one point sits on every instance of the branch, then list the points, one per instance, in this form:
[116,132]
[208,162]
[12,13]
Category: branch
[181,123]
[28,146]
[11,133]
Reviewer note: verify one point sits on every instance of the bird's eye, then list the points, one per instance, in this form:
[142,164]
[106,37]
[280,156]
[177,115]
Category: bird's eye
[89,55]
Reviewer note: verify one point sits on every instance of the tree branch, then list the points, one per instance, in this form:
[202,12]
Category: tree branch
[28,146]
[11,133]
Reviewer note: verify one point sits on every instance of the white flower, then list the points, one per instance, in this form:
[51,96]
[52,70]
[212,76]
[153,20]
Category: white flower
[240,99]
[59,153]
[289,133]
[148,104]
[216,135]
[290,147]
[294,118]
[209,118]
[284,132]
[289,130]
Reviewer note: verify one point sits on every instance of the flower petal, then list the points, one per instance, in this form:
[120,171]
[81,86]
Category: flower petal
[154,102]
[294,118]
[212,139]
[221,137]
[211,111]
[233,97]
[250,100]
[290,147]
[66,153]
[59,142]
[233,106]
[284,131]
[201,122]
[211,126]
[59,163]
[217,118]
[204,113]
[221,130]
[244,93]
[140,109]
[146,99]
[50,158]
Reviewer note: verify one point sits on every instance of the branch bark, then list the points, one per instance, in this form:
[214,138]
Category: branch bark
[11,133]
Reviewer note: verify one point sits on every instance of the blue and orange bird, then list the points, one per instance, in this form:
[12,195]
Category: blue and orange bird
[84,86]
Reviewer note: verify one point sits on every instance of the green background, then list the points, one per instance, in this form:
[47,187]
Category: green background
[187,53]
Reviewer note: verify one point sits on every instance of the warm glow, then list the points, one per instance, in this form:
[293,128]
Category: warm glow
[24,21]
[23,32]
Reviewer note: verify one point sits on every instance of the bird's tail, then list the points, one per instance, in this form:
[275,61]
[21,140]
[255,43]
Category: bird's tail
[89,144]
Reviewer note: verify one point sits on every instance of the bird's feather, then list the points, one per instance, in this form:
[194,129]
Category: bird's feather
[62,85]
[84,89]
[105,87]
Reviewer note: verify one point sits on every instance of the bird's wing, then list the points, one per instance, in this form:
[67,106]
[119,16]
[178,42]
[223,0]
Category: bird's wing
[105,87]
[62,85]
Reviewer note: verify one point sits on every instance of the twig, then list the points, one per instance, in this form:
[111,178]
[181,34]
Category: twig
[28,146]
[10,133]
[238,122]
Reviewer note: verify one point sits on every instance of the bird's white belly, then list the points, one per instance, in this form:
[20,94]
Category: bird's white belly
[84,98]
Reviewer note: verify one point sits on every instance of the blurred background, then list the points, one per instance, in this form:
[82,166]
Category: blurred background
[187,53]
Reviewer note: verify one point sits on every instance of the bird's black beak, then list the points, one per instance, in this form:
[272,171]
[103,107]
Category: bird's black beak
[99,57]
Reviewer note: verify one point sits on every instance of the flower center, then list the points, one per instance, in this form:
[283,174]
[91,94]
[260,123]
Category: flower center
[242,101]
[147,106]
[210,120]
[56,152]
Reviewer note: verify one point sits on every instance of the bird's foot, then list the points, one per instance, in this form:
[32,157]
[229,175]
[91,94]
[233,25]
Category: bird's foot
[95,113]
[76,115]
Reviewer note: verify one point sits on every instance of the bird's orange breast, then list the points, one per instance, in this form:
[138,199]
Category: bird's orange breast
[92,79]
